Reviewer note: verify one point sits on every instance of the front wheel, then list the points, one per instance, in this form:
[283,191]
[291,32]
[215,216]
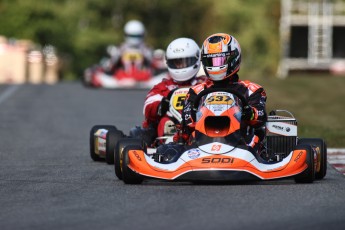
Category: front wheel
[118,153]
[321,148]
[128,176]
[308,175]
[113,136]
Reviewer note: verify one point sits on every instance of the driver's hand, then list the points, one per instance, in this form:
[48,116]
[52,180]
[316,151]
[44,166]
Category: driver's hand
[247,113]
[178,137]
[163,107]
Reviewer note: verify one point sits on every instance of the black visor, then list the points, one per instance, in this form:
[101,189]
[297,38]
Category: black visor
[180,63]
[135,35]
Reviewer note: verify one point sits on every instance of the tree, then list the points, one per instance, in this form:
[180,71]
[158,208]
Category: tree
[81,29]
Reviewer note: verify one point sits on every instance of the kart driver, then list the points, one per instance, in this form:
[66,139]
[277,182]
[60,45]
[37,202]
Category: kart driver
[183,61]
[134,32]
[221,59]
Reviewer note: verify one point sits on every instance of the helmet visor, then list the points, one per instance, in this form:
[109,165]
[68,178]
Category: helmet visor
[134,35]
[215,60]
[180,63]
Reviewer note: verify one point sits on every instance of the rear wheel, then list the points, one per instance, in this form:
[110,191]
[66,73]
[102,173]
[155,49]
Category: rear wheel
[118,153]
[94,129]
[321,147]
[308,175]
[113,136]
[128,176]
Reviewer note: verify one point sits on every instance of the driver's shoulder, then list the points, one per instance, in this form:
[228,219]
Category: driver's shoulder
[250,85]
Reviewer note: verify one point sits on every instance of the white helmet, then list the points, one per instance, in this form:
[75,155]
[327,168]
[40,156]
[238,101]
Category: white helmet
[183,59]
[134,32]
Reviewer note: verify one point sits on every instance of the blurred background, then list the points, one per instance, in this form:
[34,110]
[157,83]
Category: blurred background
[80,30]
[294,48]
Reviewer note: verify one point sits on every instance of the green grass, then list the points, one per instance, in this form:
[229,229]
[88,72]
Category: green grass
[317,102]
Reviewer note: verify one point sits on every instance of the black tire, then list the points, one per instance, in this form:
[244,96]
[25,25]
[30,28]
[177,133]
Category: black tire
[113,136]
[308,175]
[118,153]
[94,129]
[320,143]
[128,176]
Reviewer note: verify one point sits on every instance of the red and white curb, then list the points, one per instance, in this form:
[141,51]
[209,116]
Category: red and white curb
[336,157]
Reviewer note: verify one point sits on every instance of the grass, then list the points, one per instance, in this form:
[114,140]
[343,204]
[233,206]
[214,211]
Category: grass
[317,102]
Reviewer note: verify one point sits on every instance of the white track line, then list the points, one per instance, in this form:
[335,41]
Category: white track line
[331,150]
[8,92]
[336,157]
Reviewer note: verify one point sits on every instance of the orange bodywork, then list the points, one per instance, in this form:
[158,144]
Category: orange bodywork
[295,165]
[234,125]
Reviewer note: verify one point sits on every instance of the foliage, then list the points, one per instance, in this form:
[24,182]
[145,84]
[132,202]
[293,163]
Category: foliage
[81,29]
[314,99]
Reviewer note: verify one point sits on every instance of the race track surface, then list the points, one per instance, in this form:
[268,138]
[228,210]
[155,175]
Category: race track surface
[48,180]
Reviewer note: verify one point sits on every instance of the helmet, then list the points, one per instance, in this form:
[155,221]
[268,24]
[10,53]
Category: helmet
[183,59]
[134,32]
[221,56]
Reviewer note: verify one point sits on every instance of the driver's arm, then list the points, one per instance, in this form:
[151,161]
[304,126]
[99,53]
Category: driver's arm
[257,100]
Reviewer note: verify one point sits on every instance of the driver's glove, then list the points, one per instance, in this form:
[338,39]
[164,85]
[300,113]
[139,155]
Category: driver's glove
[247,113]
[163,107]
[178,137]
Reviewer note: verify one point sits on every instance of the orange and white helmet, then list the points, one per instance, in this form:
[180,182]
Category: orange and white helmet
[183,59]
[220,56]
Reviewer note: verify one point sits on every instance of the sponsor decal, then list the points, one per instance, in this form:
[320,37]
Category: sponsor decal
[136,155]
[281,128]
[218,108]
[261,112]
[187,117]
[224,54]
[217,160]
[178,50]
[216,148]
[298,156]
[193,154]
[278,127]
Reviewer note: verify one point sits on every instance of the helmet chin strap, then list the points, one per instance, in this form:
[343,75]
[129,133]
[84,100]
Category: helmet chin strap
[231,79]
[185,82]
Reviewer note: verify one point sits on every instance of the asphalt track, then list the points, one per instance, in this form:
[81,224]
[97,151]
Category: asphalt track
[48,181]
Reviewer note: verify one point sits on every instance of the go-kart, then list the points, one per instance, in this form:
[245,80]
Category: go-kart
[217,150]
[107,142]
[132,72]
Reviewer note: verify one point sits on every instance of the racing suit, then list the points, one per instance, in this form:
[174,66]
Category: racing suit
[154,98]
[253,93]
[115,57]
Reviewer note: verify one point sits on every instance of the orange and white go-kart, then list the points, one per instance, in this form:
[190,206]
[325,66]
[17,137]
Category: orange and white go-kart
[218,151]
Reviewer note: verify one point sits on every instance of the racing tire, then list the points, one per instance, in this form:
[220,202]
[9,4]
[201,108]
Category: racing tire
[308,175]
[321,144]
[128,176]
[118,153]
[93,155]
[113,136]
